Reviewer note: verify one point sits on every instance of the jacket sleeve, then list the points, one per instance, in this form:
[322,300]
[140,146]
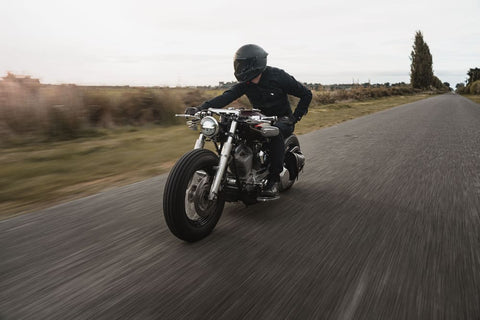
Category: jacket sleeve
[295,88]
[225,98]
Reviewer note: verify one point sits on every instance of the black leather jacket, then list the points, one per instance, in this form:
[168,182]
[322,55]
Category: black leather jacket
[269,95]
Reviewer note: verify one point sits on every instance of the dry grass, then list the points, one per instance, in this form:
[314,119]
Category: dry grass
[320,116]
[38,175]
[473,97]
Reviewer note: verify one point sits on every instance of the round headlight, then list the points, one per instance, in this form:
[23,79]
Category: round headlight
[209,126]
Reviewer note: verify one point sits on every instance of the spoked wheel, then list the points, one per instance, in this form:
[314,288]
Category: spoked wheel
[189,214]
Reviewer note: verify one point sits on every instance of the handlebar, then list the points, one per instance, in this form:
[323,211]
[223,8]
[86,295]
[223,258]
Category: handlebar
[272,118]
[236,112]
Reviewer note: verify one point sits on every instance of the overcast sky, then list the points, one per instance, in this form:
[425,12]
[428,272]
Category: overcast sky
[190,42]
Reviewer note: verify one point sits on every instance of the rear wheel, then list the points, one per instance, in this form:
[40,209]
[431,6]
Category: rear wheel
[290,174]
[189,214]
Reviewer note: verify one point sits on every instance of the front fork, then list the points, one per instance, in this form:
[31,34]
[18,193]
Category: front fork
[200,142]
[222,166]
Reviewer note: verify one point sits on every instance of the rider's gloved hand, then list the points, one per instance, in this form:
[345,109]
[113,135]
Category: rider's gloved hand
[191,110]
[287,120]
[294,119]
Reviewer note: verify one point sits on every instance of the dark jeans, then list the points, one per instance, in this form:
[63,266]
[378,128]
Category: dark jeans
[277,147]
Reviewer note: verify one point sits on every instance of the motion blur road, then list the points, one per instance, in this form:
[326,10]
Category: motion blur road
[383,224]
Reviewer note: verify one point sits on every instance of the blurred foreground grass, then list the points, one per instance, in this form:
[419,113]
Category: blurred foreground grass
[39,175]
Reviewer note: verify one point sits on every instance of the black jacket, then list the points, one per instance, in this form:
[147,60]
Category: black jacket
[269,95]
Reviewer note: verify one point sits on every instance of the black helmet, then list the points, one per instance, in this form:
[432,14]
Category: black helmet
[249,61]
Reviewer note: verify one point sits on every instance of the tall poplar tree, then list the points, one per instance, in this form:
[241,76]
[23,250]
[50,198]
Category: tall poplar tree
[421,72]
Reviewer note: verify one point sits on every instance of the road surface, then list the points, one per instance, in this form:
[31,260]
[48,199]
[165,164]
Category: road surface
[383,224]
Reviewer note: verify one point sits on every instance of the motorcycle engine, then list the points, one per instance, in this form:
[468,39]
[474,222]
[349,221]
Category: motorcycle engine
[243,160]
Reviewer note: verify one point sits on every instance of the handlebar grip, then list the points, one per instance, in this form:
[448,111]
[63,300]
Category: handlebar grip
[272,118]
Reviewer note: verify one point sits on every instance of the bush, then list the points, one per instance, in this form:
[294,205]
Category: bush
[341,94]
[28,108]
[148,105]
[65,113]
[98,109]
[194,98]
[323,97]
[63,123]
[474,88]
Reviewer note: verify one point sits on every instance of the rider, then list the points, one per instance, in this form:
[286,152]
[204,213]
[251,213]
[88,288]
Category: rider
[267,89]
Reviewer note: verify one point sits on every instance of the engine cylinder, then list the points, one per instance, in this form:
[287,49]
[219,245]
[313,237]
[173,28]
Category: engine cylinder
[243,160]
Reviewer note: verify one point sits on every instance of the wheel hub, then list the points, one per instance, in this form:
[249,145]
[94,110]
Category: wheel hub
[203,206]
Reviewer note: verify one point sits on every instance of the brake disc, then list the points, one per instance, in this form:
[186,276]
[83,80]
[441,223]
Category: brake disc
[203,206]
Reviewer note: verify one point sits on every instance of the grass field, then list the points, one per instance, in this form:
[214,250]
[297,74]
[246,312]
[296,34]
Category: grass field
[473,97]
[42,174]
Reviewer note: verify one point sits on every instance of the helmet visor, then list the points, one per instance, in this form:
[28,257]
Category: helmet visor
[244,65]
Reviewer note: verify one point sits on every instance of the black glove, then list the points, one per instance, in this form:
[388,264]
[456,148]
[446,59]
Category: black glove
[288,120]
[294,119]
[191,110]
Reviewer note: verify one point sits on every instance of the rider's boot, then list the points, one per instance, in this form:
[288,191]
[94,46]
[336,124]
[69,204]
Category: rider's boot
[271,190]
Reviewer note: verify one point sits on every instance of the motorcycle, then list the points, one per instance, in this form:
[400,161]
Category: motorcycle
[202,181]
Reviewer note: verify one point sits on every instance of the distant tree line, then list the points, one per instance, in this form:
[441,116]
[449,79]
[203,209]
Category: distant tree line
[328,87]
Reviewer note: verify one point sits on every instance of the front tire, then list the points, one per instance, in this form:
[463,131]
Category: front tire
[188,213]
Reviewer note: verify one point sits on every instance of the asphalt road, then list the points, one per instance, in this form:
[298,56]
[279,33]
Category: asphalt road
[383,224]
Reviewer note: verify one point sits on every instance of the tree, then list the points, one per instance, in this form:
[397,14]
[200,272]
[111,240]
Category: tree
[460,87]
[474,88]
[437,83]
[421,72]
[473,75]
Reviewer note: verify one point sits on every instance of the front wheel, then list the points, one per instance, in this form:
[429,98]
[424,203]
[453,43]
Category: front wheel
[189,214]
